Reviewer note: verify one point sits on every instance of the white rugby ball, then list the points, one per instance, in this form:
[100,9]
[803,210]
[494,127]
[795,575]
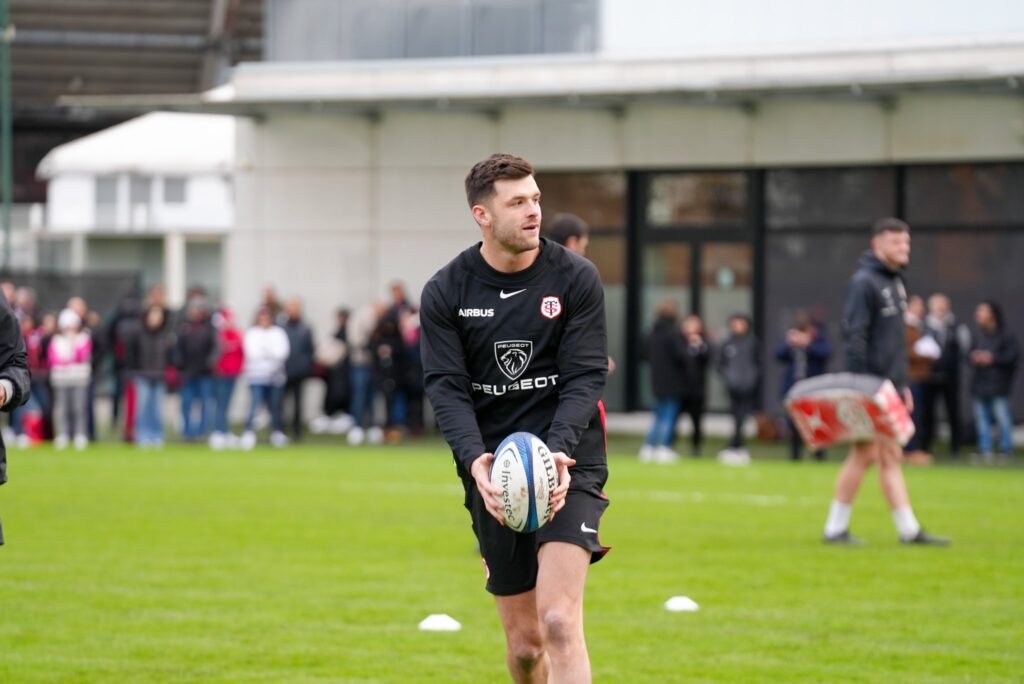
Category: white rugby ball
[525,472]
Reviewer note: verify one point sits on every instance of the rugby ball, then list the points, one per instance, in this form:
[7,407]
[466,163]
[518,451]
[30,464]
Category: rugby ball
[525,472]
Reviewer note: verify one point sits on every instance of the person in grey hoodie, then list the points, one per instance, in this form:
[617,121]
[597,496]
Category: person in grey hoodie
[739,365]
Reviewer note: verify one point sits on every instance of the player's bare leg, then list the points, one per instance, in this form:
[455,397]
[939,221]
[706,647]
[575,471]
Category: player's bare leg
[837,526]
[525,656]
[560,580]
[890,475]
[860,458]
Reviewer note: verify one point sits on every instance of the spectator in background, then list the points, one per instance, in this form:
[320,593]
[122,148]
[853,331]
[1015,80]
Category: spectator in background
[271,303]
[24,302]
[360,331]
[805,351]
[195,355]
[571,232]
[299,366]
[399,301]
[409,326]
[226,369]
[266,350]
[740,368]
[695,374]
[123,328]
[922,351]
[148,355]
[665,351]
[14,380]
[389,368]
[994,357]
[27,419]
[943,383]
[70,356]
[333,356]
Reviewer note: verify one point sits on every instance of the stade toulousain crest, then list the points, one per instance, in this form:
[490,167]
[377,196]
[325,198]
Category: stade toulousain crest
[513,356]
[550,307]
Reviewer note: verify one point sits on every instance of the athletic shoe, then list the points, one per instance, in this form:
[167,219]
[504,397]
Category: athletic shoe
[356,436]
[23,441]
[248,440]
[217,441]
[81,442]
[843,538]
[278,439]
[319,425]
[341,423]
[375,435]
[646,454]
[925,539]
[664,454]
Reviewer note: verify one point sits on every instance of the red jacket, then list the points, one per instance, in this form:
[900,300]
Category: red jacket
[232,357]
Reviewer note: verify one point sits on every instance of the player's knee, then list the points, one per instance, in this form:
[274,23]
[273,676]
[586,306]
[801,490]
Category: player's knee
[526,652]
[560,628]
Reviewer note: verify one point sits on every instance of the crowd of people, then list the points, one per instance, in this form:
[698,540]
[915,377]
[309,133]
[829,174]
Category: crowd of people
[943,353]
[144,350]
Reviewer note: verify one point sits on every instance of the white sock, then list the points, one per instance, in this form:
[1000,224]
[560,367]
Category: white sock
[838,518]
[906,522]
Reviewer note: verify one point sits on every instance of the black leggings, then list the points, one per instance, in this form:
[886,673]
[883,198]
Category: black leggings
[742,405]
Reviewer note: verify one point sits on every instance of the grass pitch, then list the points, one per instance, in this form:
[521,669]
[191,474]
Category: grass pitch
[315,564]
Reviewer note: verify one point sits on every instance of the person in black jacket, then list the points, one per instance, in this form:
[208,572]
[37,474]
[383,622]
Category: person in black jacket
[196,354]
[695,377]
[876,344]
[513,338]
[994,357]
[299,366]
[14,376]
[739,364]
[147,356]
[665,351]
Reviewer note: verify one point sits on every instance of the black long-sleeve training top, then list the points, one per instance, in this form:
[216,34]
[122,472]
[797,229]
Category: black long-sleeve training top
[873,327]
[504,352]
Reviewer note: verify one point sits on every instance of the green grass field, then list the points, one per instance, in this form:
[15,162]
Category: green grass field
[315,564]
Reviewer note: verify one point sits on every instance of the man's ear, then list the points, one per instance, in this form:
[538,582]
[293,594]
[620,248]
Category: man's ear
[481,215]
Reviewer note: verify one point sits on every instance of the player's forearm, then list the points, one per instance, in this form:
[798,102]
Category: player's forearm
[577,402]
[456,417]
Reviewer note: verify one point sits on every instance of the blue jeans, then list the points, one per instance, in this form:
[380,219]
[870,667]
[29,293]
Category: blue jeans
[271,396]
[666,413]
[192,390]
[149,401]
[362,394]
[984,411]
[223,388]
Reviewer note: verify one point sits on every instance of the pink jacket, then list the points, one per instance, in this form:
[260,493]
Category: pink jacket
[70,355]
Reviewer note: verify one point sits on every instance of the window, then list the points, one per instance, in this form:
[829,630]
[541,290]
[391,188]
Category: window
[106,201]
[965,194]
[597,198]
[828,198]
[697,199]
[138,190]
[174,190]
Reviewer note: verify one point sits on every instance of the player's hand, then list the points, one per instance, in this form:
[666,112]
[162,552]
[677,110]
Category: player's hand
[562,463]
[3,396]
[481,472]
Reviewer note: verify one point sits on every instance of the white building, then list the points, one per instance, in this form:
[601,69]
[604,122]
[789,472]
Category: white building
[153,194]
[731,157]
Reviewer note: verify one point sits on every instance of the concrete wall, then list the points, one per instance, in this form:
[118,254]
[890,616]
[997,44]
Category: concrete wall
[332,207]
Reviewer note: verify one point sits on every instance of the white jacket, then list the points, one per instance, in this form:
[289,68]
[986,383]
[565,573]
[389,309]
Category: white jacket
[266,350]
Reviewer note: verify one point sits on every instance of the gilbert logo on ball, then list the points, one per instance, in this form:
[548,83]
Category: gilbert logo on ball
[525,472]
[847,407]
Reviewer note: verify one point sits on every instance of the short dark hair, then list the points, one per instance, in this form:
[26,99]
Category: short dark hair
[564,226]
[480,179]
[889,224]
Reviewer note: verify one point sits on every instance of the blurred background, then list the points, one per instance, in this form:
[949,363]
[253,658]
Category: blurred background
[731,156]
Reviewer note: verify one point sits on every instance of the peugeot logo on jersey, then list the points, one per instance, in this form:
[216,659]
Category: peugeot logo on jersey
[513,356]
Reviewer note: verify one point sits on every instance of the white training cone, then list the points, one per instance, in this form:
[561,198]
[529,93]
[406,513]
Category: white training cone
[681,604]
[440,623]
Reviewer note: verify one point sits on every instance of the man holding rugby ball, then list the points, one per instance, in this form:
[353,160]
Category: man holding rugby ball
[513,339]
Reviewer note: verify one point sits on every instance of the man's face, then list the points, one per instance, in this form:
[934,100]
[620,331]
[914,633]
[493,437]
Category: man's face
[578,244]
[938,306]
[512,215]
[983,316]
[893,247]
